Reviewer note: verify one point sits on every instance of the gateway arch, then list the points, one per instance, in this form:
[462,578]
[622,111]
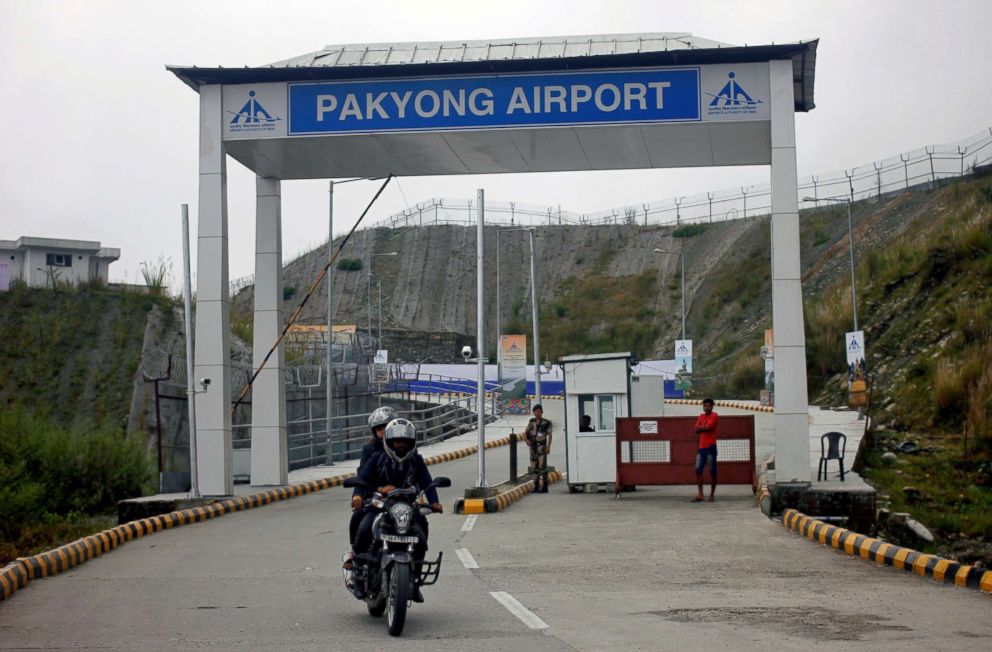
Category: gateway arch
[603,102]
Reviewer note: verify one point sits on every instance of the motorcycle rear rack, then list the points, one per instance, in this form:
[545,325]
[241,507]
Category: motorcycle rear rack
[428,571]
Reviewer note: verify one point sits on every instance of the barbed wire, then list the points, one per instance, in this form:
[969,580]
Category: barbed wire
[927,164]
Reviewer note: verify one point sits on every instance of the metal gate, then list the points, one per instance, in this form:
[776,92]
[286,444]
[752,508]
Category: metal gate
[662,451]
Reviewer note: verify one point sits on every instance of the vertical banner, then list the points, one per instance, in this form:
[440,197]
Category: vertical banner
[767,395]
[857,369]
[683,365]
[513,374]
[380,367]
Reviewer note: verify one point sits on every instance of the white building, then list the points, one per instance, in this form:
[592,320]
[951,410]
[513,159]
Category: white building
[39,260]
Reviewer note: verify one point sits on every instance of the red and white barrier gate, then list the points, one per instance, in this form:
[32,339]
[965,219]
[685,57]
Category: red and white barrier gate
[662,451]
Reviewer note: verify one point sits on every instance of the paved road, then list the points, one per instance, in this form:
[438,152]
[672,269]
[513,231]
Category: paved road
[648,572]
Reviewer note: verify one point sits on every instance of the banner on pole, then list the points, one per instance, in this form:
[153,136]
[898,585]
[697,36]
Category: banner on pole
[683,365]
[513,374]
[857,369]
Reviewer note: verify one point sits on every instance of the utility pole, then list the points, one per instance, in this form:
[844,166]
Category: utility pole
[329,409]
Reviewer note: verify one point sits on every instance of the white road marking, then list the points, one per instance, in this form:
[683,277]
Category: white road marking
[468,561]
[469,522]
[523,613]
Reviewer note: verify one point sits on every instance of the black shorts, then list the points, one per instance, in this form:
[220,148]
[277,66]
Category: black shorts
[702,455]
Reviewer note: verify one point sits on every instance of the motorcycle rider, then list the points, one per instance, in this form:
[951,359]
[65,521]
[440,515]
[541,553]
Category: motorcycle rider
[378,420]
[398,465]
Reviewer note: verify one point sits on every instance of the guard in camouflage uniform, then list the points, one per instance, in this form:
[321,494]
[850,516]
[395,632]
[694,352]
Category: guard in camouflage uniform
[538,437]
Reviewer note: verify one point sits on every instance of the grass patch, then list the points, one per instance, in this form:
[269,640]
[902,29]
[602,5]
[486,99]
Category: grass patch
[951,498]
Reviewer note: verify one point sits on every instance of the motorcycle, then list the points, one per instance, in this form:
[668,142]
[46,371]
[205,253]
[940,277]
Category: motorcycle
[386,576]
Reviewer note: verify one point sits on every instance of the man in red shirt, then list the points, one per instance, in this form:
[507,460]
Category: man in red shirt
[706,426]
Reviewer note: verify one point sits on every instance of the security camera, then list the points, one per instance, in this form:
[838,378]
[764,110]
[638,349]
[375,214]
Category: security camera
[547,366]
[204,382]
[466,352]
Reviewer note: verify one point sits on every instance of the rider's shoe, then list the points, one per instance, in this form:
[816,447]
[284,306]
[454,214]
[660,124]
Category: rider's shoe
[417,596]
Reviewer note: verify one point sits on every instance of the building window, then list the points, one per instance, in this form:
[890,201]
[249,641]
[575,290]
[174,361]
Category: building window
[58,260]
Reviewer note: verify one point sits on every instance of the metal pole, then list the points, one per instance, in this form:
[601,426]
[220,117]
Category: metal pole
[194,484]
[370,295]
[499,324]
[379,284]
[329,409]
[682,263]
[536,321]
[480,338]
[854,292]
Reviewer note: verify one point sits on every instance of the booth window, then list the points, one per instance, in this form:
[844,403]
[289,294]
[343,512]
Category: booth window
[587,405]
[605,418]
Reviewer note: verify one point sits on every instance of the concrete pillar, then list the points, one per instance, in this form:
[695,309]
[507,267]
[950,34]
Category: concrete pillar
[213,340]
[792,461]
[269,457]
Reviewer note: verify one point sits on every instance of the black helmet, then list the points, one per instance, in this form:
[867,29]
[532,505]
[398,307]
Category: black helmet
[381,416]
[396,430]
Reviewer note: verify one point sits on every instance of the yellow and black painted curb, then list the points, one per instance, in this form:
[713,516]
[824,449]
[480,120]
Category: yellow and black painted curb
[876,550]
[501,501]
[739,405]
[18,573]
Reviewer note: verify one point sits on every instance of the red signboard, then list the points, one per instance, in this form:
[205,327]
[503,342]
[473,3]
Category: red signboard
[662,451]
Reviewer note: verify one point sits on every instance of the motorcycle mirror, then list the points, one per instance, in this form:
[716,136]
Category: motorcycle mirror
[442,481]
[353,481]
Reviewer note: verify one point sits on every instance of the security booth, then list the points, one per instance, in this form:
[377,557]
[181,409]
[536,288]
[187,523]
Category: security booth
[662,451]
[598,387]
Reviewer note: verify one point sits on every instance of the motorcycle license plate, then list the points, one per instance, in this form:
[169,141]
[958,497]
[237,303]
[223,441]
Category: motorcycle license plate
[393,538]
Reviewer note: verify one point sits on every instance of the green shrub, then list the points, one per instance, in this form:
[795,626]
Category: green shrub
[349,264]
[288,292]
[689,230]
[48,472]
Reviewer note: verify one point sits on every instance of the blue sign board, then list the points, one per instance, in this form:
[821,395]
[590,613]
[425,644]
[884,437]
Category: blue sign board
[486,102]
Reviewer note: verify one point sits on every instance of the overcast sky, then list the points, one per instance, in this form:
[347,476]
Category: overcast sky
[100,140]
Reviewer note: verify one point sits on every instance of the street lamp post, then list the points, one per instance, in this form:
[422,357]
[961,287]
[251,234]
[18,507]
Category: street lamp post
[536,321]
[534,316]
[388,253]
[850,241]
[682,274]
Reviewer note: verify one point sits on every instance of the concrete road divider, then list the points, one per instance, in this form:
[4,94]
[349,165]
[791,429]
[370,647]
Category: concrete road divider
[502,500]
[739,405]
[882,553]
[17,574]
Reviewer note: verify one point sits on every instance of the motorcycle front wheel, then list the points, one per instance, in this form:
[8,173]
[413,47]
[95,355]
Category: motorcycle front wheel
[399,596]
[377,607]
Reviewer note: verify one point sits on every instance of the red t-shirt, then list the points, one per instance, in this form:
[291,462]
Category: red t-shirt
[708,421]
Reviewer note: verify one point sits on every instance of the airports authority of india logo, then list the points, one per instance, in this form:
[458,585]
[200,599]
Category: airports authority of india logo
[732,99]
[252,118]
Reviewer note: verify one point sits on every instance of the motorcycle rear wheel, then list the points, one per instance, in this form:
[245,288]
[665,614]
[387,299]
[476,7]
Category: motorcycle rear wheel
[399,596]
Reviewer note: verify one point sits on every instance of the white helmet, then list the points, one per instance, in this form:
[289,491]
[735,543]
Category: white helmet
[381,416]
[396,430]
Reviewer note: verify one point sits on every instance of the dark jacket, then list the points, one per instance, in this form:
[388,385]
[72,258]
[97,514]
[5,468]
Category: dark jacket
[381,470]
[368,450]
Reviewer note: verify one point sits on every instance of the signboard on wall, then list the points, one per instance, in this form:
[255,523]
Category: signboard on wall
[710,93]
[513,373]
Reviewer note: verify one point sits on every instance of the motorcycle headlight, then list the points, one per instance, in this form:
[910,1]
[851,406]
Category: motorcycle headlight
[402,515]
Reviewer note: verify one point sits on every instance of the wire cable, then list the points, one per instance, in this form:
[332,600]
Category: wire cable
[313,287]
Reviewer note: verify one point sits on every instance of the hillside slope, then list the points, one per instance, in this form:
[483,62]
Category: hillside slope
[586,277]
